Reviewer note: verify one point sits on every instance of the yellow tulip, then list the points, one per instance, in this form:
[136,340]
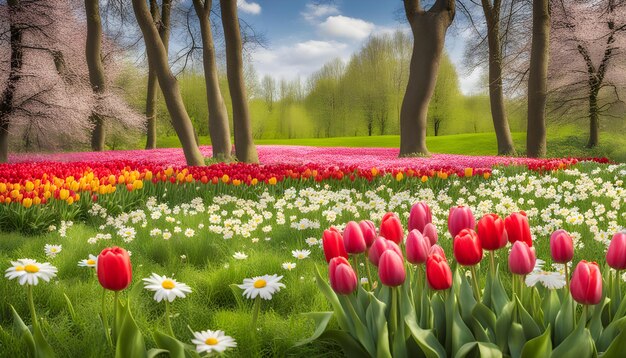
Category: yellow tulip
[399,176]
[64,194]
[29,186]
[469,172]
[27,202]
[272,181]
[225,178]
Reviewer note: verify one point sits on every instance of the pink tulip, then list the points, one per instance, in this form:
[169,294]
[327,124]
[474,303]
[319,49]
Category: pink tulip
[379,246]
[417,247]
[616,254]
[460,218]
[437,250]
[561,247]
[430,231]
[586,283]
[420,216]
[353,239]
[369,232]
[391,228]
[522,258]
[391,269]
[343,280]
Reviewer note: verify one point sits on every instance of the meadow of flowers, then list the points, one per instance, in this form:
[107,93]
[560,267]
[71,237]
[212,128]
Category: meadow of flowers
[138,257]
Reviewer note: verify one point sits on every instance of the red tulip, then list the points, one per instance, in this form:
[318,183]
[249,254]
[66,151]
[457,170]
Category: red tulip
[369,232]
[460,218]
[467,249]
[420,216]
[586,283]
[522,258]
[517,228]
[616,255]
[391,228]
[437,250]
[114,269]
[391,268]
[333,244]
[438,273]
[343,280]
[491,232]
[417,247]
[379,246]
[430,231]
[561,247]
[353,239]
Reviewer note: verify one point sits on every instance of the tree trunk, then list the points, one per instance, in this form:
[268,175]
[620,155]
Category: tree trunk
[244,146]
[594,120]
[538,80]
[496,96]
[169,86]
[93,52]
[218,116]
[162,21]
[429,32]
[6,100]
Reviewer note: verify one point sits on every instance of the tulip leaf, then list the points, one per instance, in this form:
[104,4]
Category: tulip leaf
[425,339]
[540,346]
[348,344]
[550,306]
[130,342]
[531,329]
[325,288]
[22,330]
[321,320]
[154,352]
[503,324]
[499,296]
[426,311]
[174,347]
[439,317]
[564,322]
[362,333]
[485,317]
[578,344]
[595,324]
[377,324]
[43,348]
[516,339]
[608,335]
[459,333]
[617,346]
[479,349]
[467,301]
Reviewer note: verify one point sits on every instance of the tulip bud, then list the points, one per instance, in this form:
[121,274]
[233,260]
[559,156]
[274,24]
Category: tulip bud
[438,273]
[417,247]
[437,250]
[420,216]
[369,232]
[430,231]
[391,228]
[353,239]
[379,246]
[518,229]
[114,269]
[343,280]
[467,249]
[460,218]
[522,258]
[561,247]
[586,283]
[616,254]
[491,232]
[332,243]
[391,268]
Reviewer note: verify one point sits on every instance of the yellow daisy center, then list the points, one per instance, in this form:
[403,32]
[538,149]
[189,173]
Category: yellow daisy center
[168,284]
[19,268]
[260,283]
[211,341]
[31,268]
[54,249]
[91,262]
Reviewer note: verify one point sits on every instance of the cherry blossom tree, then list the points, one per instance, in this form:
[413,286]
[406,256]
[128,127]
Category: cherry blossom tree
[588,54]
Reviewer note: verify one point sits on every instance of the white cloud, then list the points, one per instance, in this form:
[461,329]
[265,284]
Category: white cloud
[313,12]
[249,7]
[346,27]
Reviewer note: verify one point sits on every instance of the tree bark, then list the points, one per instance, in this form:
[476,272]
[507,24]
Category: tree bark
[496,95]
[429,32]
[93,52]
[6,100]
[218,116]
[162,21]
[244,145]
[168,83]
[538,80]
[594,120]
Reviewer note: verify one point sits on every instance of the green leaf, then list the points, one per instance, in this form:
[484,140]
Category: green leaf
[154,352]
[237,294]
[539,346]
[459,333]
[595,324]
[22,330]
[70,308]
[564,322]
[173,346]
[377,325]
[425,339]
[516,340]
[499,296]
[550,306]
[439,317]
[618,345]
[321,320]
[130,342]
[578,344]
[503,324]
[485,317]
[467,301]
[43,348]
[479,349]
[609,333]
[531,329]
[362,333]
[330,295]
[349,345]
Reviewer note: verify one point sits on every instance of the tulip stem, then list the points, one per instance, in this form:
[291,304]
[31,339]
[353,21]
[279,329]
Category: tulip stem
[493,262]
[31,306]
[114,326]
[255,311]
[355,261]
[566,277]
[475,279]
[393,313]
[369,275]
[105,322]
[168,321]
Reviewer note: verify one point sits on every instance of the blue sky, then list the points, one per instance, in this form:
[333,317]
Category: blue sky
[302,35]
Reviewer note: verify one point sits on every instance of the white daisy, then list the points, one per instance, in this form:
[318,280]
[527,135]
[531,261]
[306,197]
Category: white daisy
[52,250]
[92,262]
[30,271]
[301,254]
[289,266]
[240,256]
[551,280]
[190,232]
[165,287]
[212,341]
[263,286]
